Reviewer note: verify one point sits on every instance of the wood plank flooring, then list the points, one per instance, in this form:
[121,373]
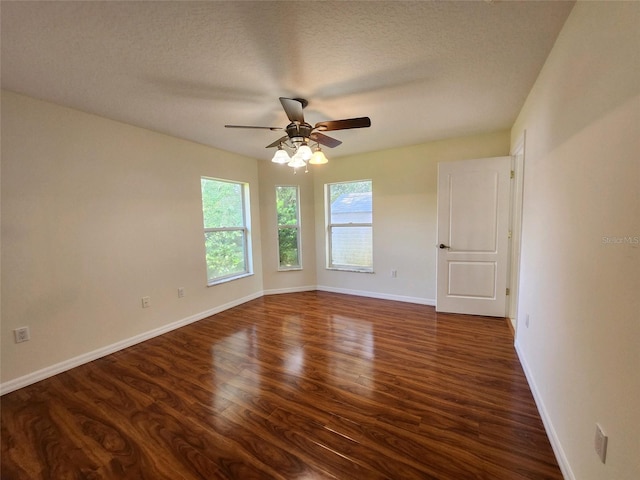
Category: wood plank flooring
[301,386]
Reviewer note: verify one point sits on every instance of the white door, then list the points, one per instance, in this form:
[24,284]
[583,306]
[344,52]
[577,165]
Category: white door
[473,225]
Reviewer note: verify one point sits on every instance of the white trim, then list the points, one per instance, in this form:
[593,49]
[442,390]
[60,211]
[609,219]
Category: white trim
[235,276]
[565,468]
[52,370]
[278,291]
[515,225]
[383,296]
[349,268]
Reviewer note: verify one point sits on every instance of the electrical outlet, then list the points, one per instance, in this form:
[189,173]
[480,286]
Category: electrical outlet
[180,292]
[394,273]
[600,443]
[146,302]
[22,334]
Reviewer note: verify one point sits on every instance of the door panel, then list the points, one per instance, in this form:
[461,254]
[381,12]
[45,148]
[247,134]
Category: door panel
[473,215]
[472,279]
[472,224]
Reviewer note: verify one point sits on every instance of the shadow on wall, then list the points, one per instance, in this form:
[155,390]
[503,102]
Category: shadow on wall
[598,80]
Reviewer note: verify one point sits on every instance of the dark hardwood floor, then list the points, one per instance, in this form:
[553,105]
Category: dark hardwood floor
[299,386]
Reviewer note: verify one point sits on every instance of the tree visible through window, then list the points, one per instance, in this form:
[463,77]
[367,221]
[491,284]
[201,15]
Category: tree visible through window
[225,229]
[350,226]
[288,210]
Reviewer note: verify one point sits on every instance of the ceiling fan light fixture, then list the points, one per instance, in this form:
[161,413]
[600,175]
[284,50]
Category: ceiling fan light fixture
[299,133]
[281,156]
[318,157]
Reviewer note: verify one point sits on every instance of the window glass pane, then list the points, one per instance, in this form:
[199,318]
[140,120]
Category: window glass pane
[222,204]
[352,246]
[288,247]
[350,202]
[287,205]
[288,212]
[225,253]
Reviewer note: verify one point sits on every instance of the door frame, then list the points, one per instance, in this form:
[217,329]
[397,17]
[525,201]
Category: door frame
[515,228]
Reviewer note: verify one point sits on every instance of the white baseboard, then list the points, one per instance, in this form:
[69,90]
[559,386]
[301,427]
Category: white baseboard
[47,372]
[278,291]
[383,296]
[565,468]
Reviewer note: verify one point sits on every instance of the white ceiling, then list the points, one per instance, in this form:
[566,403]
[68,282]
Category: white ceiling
[421,70]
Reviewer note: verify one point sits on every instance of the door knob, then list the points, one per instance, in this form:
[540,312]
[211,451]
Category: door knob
[442,245]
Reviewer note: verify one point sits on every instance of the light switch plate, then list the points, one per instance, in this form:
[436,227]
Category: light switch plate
[601,443]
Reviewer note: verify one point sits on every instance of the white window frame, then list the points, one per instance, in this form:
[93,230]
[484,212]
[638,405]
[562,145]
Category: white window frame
[297,227]
[329,228]
[245,229]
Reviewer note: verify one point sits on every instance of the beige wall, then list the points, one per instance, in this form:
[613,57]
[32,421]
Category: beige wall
[295,280]
[581,350]
[404,218]
[95,215]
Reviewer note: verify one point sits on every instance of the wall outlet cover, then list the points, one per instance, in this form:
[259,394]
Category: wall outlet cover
[21,334]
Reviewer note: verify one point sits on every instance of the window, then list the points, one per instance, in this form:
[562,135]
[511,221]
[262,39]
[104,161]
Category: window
[288,210]
[350,226]
[226,232]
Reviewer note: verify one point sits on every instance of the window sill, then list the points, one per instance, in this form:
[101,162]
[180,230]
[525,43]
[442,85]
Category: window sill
[229,279]
[350,269]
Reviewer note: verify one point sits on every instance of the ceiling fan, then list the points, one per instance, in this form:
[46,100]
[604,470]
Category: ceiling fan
[300,133]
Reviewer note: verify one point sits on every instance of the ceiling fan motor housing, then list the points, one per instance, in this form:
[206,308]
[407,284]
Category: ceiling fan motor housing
[299,130]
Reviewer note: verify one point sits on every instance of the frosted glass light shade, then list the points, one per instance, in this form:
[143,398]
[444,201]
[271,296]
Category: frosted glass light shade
[318,158]
[297,161]
[305,152]
[281,156]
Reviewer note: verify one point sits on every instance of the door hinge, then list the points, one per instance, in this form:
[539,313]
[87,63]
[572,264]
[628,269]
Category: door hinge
[509,234]
[513,174]
[508,292]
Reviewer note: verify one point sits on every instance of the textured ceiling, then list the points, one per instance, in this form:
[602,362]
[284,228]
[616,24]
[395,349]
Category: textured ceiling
[420,70]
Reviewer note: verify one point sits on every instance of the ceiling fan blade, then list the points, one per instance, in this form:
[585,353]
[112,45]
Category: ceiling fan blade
[251,126]
[278,142]
[293,108]
[360,122]
[325,140]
